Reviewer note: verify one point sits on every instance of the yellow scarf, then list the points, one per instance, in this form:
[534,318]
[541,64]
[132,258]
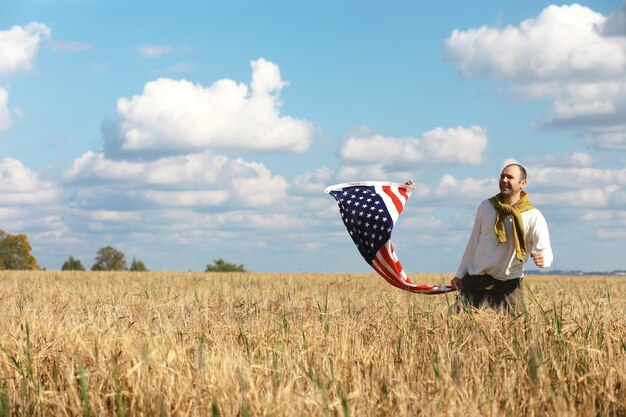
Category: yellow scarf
[503,210]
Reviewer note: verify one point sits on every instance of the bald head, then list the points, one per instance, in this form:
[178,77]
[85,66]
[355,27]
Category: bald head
[522,170]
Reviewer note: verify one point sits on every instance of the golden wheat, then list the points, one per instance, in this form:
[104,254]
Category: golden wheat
[197,344]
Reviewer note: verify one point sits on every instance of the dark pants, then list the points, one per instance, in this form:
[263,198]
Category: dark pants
[479,290]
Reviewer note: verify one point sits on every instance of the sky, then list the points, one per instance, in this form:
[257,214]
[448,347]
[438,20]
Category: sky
[182,132]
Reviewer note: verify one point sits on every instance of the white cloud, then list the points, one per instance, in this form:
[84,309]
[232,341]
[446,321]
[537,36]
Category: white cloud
[576,159]
[5,116]
[570,55]
[577,176]
[262,189]
[20,185]
[363,173]
[313,182]
[610,141]
[266,78]
[562,42]
[466,188]
[113,216]
[195,179]
[453,145]
[259,220]
[616,217]
[187,198]
[179,116]
[582,197]
[149,51]
[19,45]
[422,223]
[581,159]
[611,234]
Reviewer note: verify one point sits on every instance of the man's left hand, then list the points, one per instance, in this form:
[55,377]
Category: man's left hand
[537,258]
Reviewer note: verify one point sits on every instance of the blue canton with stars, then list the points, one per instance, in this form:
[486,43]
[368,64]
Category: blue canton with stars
[365,215]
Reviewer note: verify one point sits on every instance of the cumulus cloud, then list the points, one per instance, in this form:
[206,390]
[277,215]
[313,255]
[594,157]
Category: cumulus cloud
[5,116]
[20,185]
[585,186]
[582,197]
[179,116]
[570,55]
[562,42]
[312,182]
[186,198]
[258,220]
[578,176]
[576,159]
[19,45]
[438,146]
[367,172]
[610,141]
[449,186]
[195,179]
[113,216]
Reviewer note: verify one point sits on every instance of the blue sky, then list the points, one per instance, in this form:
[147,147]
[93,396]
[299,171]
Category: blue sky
[183,132]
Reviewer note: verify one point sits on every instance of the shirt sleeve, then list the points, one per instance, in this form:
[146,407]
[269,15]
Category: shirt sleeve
[470,249]
[541,240]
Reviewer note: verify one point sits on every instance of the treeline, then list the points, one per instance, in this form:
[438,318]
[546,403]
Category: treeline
[15,254]
[107,259]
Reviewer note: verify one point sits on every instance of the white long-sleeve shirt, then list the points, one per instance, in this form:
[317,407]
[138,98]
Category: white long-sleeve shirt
[485,255]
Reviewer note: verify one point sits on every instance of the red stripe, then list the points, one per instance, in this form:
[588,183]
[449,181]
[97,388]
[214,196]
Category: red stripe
[394,198]
[385,274]
[393,251]
[418,289]
[403,193]
[394,269]
[396,266]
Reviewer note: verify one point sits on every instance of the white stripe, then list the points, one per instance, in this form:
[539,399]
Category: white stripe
[338,187]
[391,207]
[383,263]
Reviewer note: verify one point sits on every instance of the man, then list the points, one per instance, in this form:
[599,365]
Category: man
[507,229]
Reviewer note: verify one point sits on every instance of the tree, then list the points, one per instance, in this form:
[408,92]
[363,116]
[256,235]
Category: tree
[72,264]
[109,259]
[15,252]
[138,265]
[220,265]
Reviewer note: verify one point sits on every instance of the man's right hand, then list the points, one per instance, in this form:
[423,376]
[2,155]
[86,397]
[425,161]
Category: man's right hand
[456,283]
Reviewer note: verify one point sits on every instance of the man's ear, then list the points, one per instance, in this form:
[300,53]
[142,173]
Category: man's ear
[523,183]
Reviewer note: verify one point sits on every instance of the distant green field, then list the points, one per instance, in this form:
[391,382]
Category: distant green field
[208,344]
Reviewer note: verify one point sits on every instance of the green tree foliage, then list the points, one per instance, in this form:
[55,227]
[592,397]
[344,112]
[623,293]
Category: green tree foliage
[72,264]
[138,265]
[15,252]
[109,259]
[220,265]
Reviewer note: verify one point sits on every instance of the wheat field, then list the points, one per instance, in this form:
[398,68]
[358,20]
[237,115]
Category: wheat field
[200,344]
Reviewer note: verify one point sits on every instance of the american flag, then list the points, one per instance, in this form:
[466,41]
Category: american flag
[369,211]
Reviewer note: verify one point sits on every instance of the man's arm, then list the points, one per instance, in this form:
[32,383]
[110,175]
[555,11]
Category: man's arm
[542,251]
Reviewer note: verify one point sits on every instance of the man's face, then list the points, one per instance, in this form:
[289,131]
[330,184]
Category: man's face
[511,182]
